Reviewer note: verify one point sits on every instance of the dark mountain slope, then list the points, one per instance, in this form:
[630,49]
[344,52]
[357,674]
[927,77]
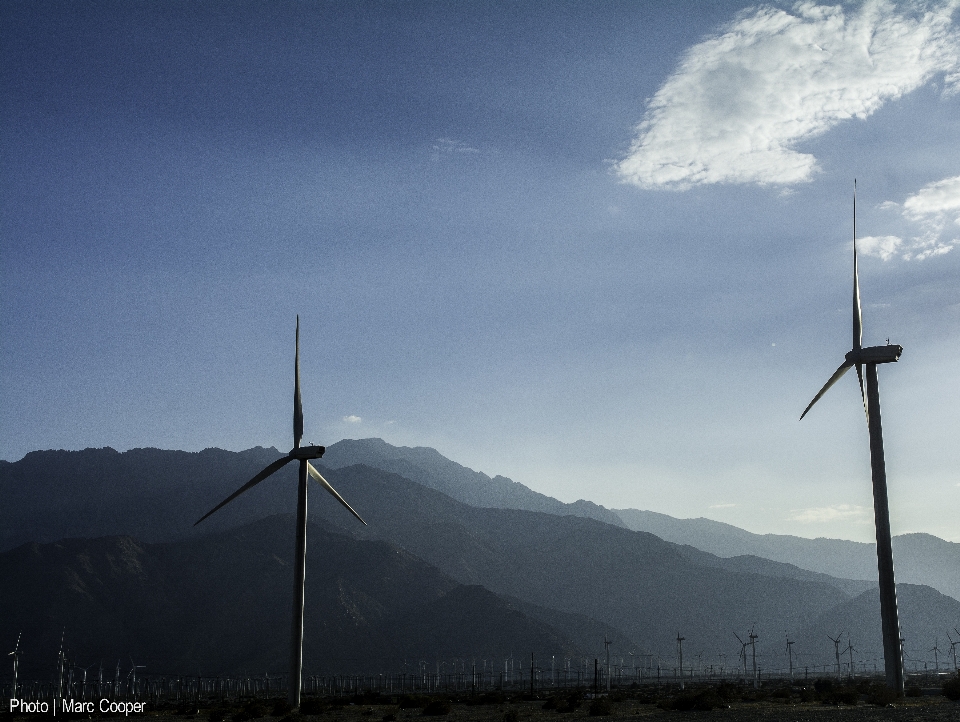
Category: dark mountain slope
[222,604]
[627,579]
[428,467]
[150,494]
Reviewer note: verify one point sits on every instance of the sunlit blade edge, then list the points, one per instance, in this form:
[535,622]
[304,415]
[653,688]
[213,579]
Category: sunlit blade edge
[833,379]
[326,485]
[857,313]
[275,466]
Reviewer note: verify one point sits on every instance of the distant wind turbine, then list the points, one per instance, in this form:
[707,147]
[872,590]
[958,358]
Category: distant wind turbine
[16,659]
[790,654]
[753,644]
[303,455]
[850,650]
[743,655]
[836,650]
[870,357]
[953,650]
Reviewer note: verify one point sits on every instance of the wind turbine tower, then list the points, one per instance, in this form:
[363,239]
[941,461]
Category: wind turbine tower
[936,653]
[753,646]
[836,650]
[680,656]
[850,650]
[870,358]
[303,454]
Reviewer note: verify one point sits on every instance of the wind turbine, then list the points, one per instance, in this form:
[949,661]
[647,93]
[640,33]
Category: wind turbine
[836,650]
[303,454]
[753,644]
[936,654]
[850,650]
[16,659]
[870,357]
[953,651]
[790,655]
[743,655]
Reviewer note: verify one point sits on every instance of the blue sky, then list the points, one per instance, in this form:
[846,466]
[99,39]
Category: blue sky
[601,248]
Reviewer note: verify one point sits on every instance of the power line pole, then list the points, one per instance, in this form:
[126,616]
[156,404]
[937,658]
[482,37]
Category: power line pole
[606,644]
[790,655]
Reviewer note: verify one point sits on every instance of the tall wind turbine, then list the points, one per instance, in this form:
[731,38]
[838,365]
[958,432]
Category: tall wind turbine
[303,454]
[870,357]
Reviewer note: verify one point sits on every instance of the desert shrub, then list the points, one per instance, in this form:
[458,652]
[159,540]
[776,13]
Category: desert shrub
[389,717]
[914,691]
[313,705]
[702,700]
[438,708]
[881,695]
[511,715]
[569,702]
[823,686]
[254,709]
[782,693]
[413,701]
[601,707]
[494,697]
[729,692]
[841,695]
[951,688]
[280,708]
[218,714]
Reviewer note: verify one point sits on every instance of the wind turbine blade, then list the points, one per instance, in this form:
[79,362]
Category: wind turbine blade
[275,466]
[297,406]
[326,485]
[863,395]
[833,379]
[857,316]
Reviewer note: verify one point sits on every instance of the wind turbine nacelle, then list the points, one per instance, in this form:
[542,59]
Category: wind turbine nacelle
[875,354]
[305,453]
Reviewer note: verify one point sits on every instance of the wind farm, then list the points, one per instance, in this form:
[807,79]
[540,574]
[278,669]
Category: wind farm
[559,276]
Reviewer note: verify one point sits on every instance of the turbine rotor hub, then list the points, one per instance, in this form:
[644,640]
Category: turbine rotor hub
[304,453]
[875,354]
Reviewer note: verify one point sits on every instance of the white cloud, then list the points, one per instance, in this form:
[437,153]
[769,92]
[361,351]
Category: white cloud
[824,514]
[722,506]
[933,208]
[352,419]
[882,246]
[741,100]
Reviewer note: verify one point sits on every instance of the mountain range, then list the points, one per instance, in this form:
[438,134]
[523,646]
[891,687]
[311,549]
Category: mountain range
[471,557]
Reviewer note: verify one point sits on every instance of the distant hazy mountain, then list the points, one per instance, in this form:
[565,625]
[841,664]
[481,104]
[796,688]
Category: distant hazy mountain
[919,558]
[428,467]
[630,580]
[925,617]
[221,604]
